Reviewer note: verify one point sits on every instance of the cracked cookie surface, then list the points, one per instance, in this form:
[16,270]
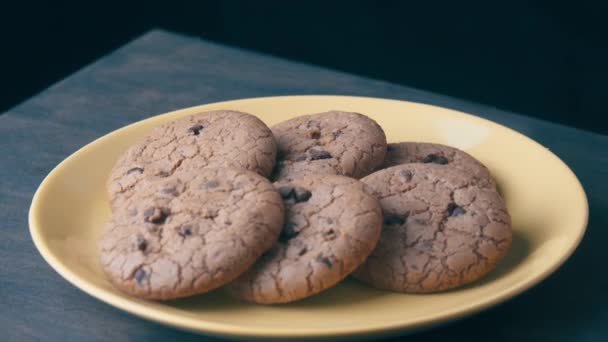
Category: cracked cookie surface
[190,233]
[442,229]
[429,153]
[332,223]
[340,143]
[216,139]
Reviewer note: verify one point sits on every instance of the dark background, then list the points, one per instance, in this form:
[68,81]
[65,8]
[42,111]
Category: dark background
[545,59]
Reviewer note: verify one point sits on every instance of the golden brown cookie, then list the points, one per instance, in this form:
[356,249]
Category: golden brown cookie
[428,153]
[442,229]
[340,143]
[331,225]
[216,139]
[190,232]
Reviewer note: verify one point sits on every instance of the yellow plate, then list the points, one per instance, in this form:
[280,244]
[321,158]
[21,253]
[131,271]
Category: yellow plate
[544,197]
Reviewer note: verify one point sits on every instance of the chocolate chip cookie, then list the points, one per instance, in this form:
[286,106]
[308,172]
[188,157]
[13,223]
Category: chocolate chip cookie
[442,229]
[190,232]
[428,153]
[331,225]
[334,142]
[217,138]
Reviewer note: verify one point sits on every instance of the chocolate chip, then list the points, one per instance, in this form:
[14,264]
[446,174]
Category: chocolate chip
[139,275]
[406,175]
[325,260]
[336,133]
[286,192]
[329,234]
[458,211]
[136,169]
[301,194]
[319,154]
[300,158]
[455,210]
[303,251]
[196,129]
[435,159]
[394,219]
[160,218]
[212,184]
[185,231]
[314,134]
[288,232]
[156,215]
[142,244]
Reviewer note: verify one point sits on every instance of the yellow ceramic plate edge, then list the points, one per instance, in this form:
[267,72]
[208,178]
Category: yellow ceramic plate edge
[235,331]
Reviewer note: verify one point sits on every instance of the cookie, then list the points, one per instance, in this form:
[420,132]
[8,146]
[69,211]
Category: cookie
[190,233]
[428,153]
[331,225]
[442,229]
[334,142]
[216,139]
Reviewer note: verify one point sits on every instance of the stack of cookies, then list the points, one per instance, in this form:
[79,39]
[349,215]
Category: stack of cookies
[274,215]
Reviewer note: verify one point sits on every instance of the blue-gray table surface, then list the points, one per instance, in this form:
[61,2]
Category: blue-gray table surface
[161,71]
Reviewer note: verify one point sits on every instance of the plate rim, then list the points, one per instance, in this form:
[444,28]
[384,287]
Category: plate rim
[237,331]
